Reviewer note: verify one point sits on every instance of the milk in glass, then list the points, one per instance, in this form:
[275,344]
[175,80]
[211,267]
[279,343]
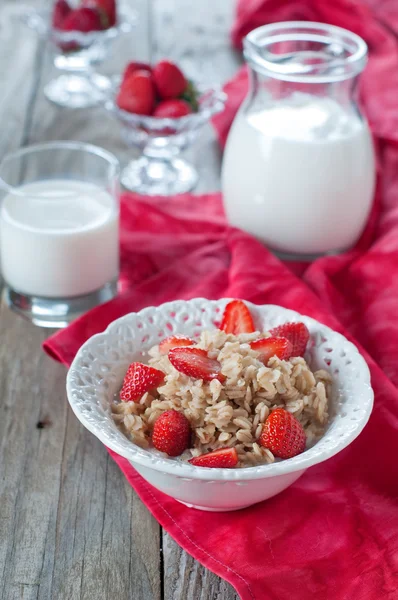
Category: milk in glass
[59,238]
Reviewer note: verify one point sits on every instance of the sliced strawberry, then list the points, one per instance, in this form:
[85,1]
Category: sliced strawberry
[137,94]
[172,109]
[297,334]
[237,318]
[138,380]
[283,434]
[273,346]
[174,341]
[172,433]
[224,458]
[195,363]
[134,66]
[169,80]
[60,11]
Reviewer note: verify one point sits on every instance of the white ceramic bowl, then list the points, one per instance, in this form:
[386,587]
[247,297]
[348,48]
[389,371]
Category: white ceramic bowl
[97,372]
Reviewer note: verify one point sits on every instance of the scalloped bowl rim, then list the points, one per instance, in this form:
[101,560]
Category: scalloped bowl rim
[309,458]
[217,96]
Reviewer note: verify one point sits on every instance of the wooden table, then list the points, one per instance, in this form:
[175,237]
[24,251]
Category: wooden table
[70,525]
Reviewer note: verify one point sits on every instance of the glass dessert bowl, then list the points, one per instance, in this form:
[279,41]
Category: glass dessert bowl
[77,53]
[160,170]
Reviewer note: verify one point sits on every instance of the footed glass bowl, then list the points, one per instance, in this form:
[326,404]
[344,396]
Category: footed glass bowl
[160,170]
[76,54]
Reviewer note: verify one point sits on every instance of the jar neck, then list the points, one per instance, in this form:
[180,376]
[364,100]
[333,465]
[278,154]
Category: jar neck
[305,51]
[266,89]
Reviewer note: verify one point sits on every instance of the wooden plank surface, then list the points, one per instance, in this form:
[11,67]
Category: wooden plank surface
[70,525]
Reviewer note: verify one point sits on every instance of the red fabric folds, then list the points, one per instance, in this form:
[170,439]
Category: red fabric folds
[333,535]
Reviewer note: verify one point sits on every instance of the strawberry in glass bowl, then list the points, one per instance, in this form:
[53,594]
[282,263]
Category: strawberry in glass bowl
[80,36]
[161,112]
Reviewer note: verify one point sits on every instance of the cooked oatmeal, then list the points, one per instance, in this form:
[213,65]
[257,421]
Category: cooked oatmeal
[230,413]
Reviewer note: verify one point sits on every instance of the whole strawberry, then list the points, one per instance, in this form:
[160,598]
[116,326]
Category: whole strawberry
[283,434]
[82,19]
[60,11]
[169,80]
[137,94]
[171,433]
[172,109]
[138,380]
[134,66]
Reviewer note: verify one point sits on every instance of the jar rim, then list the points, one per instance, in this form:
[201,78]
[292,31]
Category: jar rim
[345,58]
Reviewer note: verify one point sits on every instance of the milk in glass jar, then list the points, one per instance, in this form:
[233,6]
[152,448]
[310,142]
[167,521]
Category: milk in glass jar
[299,169]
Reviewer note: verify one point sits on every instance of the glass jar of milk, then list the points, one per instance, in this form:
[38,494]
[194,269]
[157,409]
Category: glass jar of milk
[299,168]
[59,230]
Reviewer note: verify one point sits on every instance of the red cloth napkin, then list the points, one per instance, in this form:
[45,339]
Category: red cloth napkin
[333,535]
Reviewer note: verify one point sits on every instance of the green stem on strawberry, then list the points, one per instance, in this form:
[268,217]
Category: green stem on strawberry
[190,95]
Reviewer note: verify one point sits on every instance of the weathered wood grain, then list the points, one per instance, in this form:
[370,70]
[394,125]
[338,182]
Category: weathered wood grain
[184,577]
[70,525]
[18,65]
[106,542]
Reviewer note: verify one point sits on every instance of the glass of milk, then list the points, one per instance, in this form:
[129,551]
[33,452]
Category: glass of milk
[59,221]
[299,169]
